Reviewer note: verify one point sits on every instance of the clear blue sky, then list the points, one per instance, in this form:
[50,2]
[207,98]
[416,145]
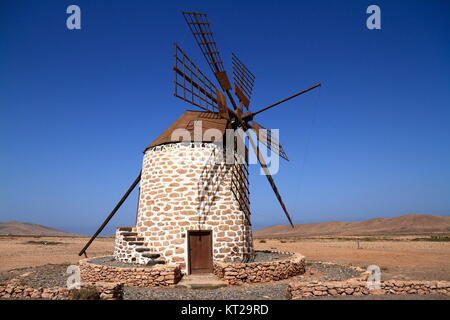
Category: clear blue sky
[77,108]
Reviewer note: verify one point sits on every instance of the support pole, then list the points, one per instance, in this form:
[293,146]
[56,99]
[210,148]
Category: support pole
[284,100]
[125,196]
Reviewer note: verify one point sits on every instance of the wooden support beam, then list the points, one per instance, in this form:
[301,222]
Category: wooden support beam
[119,204]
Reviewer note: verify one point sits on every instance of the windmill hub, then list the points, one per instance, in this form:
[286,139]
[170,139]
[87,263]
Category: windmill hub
[246,117]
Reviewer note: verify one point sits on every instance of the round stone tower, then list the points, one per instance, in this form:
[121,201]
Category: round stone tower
[193,205]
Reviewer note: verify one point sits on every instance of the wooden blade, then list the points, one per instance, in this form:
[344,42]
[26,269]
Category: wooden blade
[265,137]
[243,81]
[201,29]
[191,85]
[222,105]
[269,178]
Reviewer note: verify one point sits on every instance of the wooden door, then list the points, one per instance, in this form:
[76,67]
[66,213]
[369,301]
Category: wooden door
[200,252]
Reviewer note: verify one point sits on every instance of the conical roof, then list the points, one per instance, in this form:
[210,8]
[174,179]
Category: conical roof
[208,120]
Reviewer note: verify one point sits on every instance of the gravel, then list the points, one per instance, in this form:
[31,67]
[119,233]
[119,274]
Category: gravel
[110,261]
[332,272]
[272,291]
[261,256]
[46,276]
[265,256]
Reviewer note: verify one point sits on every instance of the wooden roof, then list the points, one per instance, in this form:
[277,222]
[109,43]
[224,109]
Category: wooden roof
[186,121]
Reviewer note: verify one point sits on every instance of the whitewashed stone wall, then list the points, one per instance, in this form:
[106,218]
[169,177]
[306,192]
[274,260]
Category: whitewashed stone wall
[123,251]
[182,189]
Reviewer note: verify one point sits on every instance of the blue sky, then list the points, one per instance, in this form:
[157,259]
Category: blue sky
[77,108]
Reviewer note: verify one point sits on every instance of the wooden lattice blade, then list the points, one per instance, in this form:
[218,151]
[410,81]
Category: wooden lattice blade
[269,178]
[201,30]
[264,136]
[191,84]
[243,81]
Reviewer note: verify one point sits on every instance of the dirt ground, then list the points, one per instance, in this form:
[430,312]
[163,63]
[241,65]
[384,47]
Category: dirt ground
[398,257]
[18,252]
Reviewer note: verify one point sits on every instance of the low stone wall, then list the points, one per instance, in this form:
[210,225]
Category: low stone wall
[15,290]
[301,290]
[158,275]
[238,273]
[107,290]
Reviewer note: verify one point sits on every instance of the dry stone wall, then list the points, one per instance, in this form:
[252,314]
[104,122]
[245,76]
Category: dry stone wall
[253,272]
[18,291]
[300,290]
[188,187]
[15,290]
[155,276]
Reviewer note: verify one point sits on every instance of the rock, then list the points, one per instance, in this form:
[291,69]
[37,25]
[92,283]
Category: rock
[349,291]
[333,292]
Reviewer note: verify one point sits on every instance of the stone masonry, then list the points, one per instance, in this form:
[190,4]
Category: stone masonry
[188,186]
[356,287]
[254,272]
[13,289]
[144,276]
[130,248]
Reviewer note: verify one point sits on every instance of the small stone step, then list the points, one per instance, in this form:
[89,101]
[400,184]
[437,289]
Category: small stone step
[143,249]
[154,262]
[136,243]
[130,238]
[151,255]
[128,229]
[139,238]
[129,234]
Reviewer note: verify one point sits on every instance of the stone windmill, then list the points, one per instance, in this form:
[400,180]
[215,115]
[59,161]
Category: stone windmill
[194,205]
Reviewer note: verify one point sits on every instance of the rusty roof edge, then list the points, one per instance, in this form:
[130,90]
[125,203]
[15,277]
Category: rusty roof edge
[182,123]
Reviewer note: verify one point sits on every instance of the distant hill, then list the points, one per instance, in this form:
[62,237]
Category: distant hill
[30,229]
[407,224]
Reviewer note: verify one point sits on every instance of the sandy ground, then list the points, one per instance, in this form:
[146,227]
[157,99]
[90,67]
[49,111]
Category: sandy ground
[16,252]
[398,258]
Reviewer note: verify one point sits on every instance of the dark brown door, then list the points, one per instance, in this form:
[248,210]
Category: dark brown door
[200,252]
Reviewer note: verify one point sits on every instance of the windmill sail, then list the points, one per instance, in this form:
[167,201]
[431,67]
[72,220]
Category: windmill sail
[265,137]
[201,29]
[243,81]
[191,85]
[269,178]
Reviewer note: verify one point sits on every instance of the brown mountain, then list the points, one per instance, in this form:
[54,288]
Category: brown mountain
[30,229]
[407,224]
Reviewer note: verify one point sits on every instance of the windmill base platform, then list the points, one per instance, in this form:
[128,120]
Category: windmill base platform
[103,269]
